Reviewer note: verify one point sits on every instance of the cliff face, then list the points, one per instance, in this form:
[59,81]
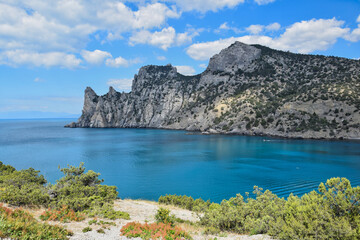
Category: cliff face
[250,90]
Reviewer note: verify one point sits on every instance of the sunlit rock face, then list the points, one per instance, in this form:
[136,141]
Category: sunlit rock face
[246,89]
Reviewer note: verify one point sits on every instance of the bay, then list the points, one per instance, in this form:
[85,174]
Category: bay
[148,163]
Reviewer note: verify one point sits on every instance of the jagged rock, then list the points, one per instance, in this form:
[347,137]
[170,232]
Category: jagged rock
[246,89]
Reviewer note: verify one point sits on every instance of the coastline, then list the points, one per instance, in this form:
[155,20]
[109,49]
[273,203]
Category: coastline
[224,133]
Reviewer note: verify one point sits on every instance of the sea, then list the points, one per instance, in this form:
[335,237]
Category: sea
[148,163]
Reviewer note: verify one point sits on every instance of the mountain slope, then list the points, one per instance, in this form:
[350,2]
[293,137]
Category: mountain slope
[246,89]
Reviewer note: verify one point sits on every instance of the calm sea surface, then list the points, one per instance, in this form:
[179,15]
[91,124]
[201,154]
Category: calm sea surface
[146,163]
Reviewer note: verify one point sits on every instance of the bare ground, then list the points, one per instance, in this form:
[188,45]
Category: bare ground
[144,211]
[141,211]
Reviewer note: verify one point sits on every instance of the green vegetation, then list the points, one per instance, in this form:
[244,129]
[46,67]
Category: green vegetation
[64,214]
[87,229]
[24,187]
[76,195]
[163,216]
[186,202]
[153,231]
[332,212]
[19,224]
[77,192]
[81,191]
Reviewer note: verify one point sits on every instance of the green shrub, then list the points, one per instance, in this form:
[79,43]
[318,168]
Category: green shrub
[163,216]
[332,212]
[87,229]
[19,224]
[106,211]
[78,191]
[24,187]
[82,191]
[186,202]
[211,231]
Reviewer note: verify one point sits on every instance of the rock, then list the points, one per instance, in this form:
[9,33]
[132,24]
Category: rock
[238,55]
[71,125]
[246,89]
[52,194]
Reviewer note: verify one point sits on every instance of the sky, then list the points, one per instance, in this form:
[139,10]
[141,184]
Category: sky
[50,51]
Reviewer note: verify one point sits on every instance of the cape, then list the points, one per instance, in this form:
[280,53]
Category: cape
[246,89]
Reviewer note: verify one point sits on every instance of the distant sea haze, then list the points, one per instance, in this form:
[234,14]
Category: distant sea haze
[147,163]
[36,115]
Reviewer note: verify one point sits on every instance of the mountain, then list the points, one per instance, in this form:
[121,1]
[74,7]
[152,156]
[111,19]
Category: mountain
[246,89]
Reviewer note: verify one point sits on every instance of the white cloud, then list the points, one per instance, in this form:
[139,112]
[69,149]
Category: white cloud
[203,51]
[121,84]
[164,39]
[48,59]
[309,36]
[255,29]
[185,70]
[206,5]
[273,27]
[117,17]
[263,2]
[203,65]
[354,36]
[224,26]
[95,57]
[302,37]
[64,26]
[161,58]
[117,62]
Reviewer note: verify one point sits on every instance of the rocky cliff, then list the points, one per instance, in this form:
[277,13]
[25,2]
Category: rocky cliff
[246,89]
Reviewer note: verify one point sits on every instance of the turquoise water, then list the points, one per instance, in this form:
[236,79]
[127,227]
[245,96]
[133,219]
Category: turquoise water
[147,163]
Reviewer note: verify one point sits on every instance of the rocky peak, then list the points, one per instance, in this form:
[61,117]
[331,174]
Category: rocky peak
[151,74]
[112,92]
[89,91]
[90,94]
[239,55]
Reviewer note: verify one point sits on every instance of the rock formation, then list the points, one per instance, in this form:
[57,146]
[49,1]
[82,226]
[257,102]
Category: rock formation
[246,89]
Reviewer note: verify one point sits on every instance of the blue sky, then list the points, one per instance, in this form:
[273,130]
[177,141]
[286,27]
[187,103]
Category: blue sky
[51,50]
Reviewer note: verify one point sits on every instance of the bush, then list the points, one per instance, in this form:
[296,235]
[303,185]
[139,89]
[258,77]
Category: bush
[153,231]
[24,187]
[87,229]
[332,212]
[63,215]
[82,191]
[107,211]
[76,192]
[19,224]
[163,216]
[185,202]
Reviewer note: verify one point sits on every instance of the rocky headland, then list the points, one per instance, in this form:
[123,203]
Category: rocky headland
[246,89]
